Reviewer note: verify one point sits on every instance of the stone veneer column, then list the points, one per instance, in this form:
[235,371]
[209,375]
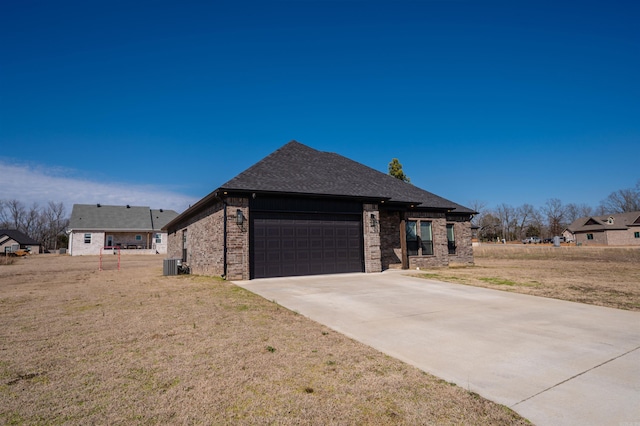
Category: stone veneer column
[237,239]
[372,253]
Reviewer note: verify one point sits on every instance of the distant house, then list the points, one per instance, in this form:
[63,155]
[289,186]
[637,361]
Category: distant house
[12,240]
[300,211]
[621,229]
[93,227]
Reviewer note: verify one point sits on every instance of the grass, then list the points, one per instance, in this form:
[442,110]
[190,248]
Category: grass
[80,346]
[604,276]
[498,281]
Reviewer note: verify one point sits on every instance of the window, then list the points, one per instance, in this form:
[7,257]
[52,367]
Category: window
[451,238]
[426,238]
[138,237]
[184,245]
[636,234]
[412,237]
[158,238]
[87,238]
[419,238]
[589,236]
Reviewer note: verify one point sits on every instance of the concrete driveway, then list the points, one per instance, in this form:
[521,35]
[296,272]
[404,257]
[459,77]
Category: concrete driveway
[553,362]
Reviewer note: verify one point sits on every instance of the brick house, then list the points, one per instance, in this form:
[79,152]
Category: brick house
[300,211]
[621,229]
[12,240]
[132,229]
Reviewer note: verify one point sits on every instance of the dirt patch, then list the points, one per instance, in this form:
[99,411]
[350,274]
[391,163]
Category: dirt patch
[79,346]
[604,276]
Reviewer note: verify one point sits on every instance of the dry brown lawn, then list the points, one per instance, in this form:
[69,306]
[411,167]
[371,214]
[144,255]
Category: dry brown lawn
[79,346]
[605,276]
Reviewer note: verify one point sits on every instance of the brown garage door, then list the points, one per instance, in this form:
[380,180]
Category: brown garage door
[288,244]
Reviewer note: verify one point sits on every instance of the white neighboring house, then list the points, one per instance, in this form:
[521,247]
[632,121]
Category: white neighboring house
[132,229]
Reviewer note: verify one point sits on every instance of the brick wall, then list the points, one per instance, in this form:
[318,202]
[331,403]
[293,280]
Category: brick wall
[80,248]
[440,255]
[160,247]
[599,238]
[611,237]
[205,240]
[390,244]
[391,254]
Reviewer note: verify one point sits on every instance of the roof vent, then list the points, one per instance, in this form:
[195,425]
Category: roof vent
[128,206]
[610,220]
[98,205]
[161,210]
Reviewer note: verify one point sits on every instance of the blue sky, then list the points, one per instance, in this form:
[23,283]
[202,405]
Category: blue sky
[158,103]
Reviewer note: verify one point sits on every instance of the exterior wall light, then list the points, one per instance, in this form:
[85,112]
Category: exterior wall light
[239,217]
[373,220]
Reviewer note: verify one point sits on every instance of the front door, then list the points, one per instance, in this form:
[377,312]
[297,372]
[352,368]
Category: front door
[109,241]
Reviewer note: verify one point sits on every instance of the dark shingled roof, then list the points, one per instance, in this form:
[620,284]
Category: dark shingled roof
[19,237]
[298,169]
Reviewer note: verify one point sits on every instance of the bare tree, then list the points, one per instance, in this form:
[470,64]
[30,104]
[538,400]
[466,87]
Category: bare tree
[506,214]
[523,217]
[57,222]
[576,211]
[489,224]
[43,224]
[622,201]
[477,206]
[555,213]
[15,213]
[32,222]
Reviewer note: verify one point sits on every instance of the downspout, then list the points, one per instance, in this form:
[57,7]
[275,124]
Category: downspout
[224,240]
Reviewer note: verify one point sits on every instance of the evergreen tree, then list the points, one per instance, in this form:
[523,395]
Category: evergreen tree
[395,170]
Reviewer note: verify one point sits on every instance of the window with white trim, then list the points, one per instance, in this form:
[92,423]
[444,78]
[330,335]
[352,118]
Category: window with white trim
[158,238]
[87,238]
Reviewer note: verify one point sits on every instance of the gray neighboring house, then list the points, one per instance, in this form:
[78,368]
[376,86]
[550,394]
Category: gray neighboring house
[300,211]
[12,240]
[620,229]
[133,229]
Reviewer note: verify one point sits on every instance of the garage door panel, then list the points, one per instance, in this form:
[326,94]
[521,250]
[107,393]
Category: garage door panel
[305,244]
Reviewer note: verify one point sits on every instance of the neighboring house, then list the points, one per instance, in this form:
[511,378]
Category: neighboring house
[12,240]
[300,211]
[94,227]
[621,229]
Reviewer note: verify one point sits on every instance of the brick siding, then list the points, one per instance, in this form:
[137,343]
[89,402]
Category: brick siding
[382,241]
[610,237]
[205,241]
[390,245]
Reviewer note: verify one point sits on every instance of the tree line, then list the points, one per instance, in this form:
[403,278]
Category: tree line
[516,223]
[45,224]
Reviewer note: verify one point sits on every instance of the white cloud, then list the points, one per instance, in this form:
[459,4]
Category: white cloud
[35,184]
